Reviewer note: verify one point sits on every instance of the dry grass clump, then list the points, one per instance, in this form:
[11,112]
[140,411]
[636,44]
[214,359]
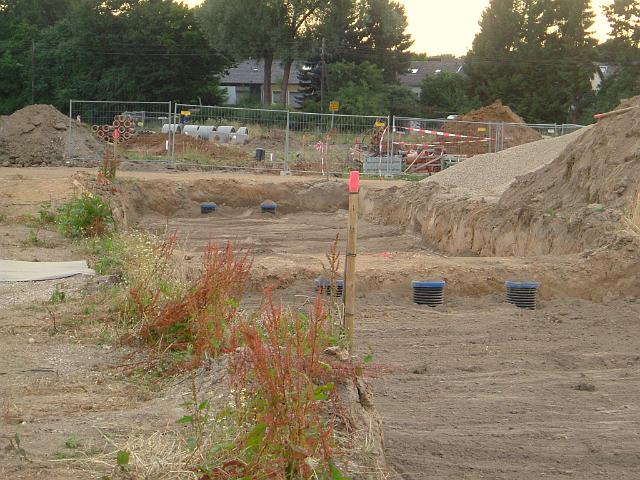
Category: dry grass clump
[632,219]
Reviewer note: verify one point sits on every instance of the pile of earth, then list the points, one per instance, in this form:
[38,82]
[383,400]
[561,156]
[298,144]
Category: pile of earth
[516,131]
[584,199]
[38,135]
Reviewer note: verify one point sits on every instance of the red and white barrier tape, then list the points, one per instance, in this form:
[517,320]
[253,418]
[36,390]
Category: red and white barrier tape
[439,133]
[439,144]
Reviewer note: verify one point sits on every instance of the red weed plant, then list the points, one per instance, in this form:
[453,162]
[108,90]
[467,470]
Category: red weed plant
[280,387]
[198,321]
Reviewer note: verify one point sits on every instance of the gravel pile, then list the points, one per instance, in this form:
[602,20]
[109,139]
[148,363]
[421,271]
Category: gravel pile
[492,173]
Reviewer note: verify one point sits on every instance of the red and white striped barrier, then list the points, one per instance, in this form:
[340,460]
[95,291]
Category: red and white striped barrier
[439,144]
[440,134]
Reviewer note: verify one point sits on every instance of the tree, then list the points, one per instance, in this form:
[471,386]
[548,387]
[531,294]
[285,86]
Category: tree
[446,93]
[535,55]
[361,90]
[358,31]
[381,27]
[228,29]
[624,19]
[144,50]
[299,17]
[622,52]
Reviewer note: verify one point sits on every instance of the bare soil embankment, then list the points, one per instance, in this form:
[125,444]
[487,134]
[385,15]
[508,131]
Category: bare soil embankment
[580,203]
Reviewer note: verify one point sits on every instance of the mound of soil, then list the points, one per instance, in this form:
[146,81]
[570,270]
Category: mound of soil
[38,135]
[599,172]
[585,202]
[516,131]
[491,174]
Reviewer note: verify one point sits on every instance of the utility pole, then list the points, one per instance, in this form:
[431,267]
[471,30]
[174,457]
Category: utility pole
[33,70]
[322,74]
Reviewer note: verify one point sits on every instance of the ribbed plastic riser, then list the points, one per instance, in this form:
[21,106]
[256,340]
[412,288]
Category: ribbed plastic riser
[430,297]
[327,291]
[523,299]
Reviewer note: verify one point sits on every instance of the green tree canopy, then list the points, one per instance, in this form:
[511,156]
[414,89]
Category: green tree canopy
[446,93]
[534,55]
[143,50]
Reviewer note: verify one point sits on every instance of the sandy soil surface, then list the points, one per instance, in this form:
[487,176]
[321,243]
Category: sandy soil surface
[474,389]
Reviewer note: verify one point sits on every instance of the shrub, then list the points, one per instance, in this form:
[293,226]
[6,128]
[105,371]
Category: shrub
[87,216]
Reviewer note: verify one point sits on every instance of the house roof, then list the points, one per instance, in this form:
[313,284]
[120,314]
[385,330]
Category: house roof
[607,70]
[419,70]
[251,72]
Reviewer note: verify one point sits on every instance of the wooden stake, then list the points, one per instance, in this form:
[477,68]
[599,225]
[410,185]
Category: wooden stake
[350,263]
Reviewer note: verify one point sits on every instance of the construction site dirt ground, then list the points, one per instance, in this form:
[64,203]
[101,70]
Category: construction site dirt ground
[474,389]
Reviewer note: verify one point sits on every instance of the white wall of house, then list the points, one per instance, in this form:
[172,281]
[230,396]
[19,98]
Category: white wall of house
[232,98]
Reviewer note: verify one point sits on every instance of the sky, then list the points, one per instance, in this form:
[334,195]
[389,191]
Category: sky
[449,26]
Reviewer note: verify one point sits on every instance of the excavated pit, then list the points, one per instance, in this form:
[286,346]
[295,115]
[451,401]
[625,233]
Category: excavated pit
[412,232]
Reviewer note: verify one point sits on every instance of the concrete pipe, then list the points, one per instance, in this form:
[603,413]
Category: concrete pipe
[226,129]
[219,137]
[243,131]
[171,127]
[205,132]
[239,139]
[191,130]
[95,128]
[128,123]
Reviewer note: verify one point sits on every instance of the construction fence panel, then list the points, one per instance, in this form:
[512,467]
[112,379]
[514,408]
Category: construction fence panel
[144,132]
[333,143]
[228,137]
[430,145]
[518,133]
[274,140]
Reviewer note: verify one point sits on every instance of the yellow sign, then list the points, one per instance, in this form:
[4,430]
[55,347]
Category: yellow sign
[185,113]
[380,124]
[482,129]
[334,106]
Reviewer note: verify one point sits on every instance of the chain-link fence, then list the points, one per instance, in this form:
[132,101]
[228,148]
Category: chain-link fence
[431,145]
[92,124]
[275,140]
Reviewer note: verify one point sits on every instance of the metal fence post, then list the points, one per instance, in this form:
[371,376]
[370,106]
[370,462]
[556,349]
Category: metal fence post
[286,144]
[70,128]
[391,133]
[170,144]
[172,132]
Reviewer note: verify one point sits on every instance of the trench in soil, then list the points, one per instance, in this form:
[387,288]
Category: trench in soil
[474,389]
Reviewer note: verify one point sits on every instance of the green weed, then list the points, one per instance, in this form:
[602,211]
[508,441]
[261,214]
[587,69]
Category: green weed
[58,296]
[34,240]
[46,216]
[86,216]
[15,447]
[72,442]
